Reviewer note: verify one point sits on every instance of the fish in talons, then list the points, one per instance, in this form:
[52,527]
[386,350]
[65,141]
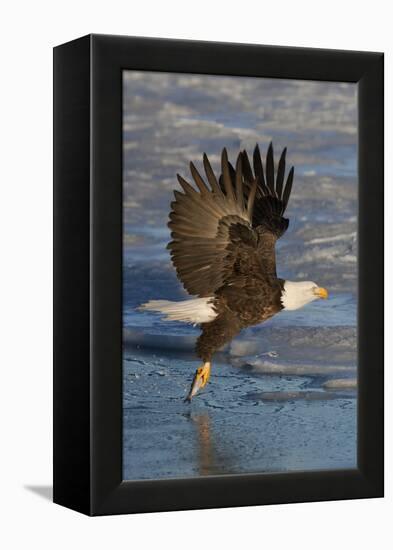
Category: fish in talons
[201,378]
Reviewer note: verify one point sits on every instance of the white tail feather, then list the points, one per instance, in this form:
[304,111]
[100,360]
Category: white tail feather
[197,310]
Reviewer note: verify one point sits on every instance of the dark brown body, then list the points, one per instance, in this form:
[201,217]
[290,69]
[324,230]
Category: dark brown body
[238,307]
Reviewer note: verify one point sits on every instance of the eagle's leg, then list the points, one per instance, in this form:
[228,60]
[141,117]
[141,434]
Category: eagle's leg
[201,378]
[214,335]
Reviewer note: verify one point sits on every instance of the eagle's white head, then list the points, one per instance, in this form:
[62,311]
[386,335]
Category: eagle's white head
[297,294]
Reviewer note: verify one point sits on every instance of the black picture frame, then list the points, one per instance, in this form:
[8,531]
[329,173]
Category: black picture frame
[88,274]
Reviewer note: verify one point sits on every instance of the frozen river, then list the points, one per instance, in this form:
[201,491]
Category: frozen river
[282,396]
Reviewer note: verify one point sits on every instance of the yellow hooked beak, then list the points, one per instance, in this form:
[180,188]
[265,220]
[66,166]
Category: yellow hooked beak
[321,292]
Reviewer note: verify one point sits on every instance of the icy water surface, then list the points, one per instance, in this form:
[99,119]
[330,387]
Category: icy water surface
[282,396]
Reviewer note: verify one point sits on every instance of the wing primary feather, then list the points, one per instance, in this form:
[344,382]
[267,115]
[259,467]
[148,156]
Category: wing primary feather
[251,198]
[232,173]
[280,173]
[247,167]
[187,205]
[198,179]
[211,176]
[221,182]
[226,175]
[258,166]
[239,182]
[270,168]
[187,188]
[288,188]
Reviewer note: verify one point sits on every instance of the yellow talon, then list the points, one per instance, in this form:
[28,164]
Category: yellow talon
[201,378]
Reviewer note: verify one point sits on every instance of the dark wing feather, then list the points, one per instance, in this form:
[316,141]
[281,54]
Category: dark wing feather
[211,176]
[280,173]
[271,197]
[247,171]
[258,166]
[269,169]
[210,227]
[288,189]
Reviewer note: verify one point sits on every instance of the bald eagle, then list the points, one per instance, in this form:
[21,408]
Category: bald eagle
[224,233]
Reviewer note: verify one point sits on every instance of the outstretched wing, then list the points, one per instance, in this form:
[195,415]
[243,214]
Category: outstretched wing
[272,196]
[211,227]
[229,228]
